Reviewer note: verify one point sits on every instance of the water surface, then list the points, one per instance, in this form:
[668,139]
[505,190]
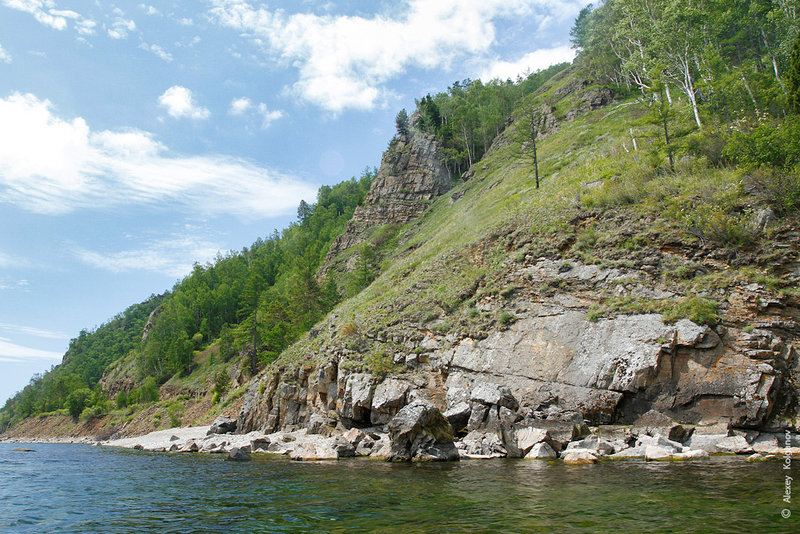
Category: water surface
[78,488]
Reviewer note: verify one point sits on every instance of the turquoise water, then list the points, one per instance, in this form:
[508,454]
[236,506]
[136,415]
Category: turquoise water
[77,488]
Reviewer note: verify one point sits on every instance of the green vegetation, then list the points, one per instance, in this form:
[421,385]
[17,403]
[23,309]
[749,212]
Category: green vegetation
[702,134]
[470,114]
[257,301]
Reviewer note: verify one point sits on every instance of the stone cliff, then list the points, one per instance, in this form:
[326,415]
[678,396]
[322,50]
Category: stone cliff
[410,177]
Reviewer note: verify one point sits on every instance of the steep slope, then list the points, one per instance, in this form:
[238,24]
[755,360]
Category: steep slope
[410,177]
[601,296]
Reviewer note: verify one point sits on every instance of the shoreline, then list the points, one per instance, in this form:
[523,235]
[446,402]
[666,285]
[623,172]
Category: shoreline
[372,443]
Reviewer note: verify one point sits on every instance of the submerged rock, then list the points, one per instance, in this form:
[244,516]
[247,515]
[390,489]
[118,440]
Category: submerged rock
[238,455]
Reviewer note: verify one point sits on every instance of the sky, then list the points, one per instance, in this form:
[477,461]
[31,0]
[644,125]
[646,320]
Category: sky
[139,138]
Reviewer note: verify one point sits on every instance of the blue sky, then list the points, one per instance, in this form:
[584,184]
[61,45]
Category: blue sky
[139,138]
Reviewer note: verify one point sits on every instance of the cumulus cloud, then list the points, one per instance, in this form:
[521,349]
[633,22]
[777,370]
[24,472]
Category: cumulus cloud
[536,60]
[268,116]
[172,256]
[343,61]
[46,12]
[5,57]
[242,106]
[180,103]
[54,166]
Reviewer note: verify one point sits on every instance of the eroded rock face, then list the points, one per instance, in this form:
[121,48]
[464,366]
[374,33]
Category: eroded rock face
[411,175]
[420,432]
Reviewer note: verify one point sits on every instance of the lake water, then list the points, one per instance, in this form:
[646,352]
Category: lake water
[78,488]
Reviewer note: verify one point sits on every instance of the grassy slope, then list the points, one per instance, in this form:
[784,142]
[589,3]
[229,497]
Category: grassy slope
[465,246]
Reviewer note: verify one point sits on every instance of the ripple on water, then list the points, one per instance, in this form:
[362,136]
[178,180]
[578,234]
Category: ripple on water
[76,488]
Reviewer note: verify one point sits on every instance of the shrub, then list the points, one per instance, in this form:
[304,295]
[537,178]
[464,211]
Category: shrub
[780,189]
[716,224]
[771,143]
[121,400]
[76,401]
[175,413]
[149,390]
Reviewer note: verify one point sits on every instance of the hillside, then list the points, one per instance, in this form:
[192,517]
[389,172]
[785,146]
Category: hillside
[650,273]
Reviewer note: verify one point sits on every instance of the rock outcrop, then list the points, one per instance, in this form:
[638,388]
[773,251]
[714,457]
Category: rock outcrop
[410,177]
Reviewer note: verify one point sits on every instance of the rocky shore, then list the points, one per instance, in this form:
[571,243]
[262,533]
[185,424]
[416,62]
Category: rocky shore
[419,432]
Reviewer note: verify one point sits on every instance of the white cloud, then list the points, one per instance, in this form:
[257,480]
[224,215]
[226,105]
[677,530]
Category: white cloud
[5,57]
[173,257]
[149,10]
[239,106]
[536,60]
[11,352]
[46,12]
[344,62]
[54,166]
[32,331]
[120,28]
[157,50]
[179,103]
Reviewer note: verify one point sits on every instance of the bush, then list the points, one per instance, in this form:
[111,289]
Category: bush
[780,189]
[121,400]
[77,401]
[506,318]
[716,224]
[767,143]
[175,413]
[149,390]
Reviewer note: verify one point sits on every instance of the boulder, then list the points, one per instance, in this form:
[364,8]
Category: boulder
[659,441]
[579,457]
[419,431]
[313,451]
[654,452]
[528,437]
[541,450]
[259,444]
[388,398]
[458,416]
[190,446]
[222,425]
[599,446]
[238,455]
[706,443]
[357,402]
[354,436]
[691,454]
[734,445]
[318,424]
[766,443]
[494,394]
[479,444]
[655,423]
[343,448]
[631,452]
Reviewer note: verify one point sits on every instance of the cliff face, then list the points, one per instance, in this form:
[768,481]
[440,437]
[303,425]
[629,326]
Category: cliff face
[499,327]
[411,175]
